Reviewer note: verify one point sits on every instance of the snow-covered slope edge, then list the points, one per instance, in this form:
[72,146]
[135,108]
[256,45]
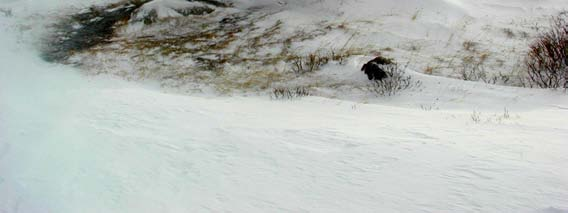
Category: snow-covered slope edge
[251,48]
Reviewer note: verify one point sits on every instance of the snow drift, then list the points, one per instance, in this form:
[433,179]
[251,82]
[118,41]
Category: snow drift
[71,142]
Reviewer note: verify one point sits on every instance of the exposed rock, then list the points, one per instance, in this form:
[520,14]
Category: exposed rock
[96,25]
[85,30]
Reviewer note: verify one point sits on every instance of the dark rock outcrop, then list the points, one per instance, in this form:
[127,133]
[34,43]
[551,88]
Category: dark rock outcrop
[85,30]
[96,25]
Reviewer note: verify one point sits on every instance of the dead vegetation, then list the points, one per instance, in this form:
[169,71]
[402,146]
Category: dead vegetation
[473,67]
[509,33]
[470,46]
[289,93]
[547,59]
[397,80]
[474,64]
[313,62]
[233,41]
[308,64]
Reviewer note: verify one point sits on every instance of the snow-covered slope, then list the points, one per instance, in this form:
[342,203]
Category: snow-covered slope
[76,143]
[473,40]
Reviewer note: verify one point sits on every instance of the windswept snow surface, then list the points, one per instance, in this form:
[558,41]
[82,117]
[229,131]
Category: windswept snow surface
[75,143]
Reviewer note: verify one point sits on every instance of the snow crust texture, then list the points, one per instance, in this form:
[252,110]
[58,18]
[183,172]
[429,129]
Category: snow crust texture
[71,142]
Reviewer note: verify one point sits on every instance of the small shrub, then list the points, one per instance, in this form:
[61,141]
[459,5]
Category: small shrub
[473,67]
[316,60]
[415,47]
[428,107]
[308,64]
[476,116]
[506,114]
[500,78]
[416,15]
[339,56]
[290,93]
[469,46]
[547,60]
[509,33]
[396,81]
[429,70]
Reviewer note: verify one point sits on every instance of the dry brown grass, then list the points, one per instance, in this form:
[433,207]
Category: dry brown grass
[429,70]
[470,46]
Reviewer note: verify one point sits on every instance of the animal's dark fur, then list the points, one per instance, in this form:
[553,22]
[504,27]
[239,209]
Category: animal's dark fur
[373,68]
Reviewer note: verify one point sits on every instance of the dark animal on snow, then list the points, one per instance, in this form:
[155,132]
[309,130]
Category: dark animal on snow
[374,70]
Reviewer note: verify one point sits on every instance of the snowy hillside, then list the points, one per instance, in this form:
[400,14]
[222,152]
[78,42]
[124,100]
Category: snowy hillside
[140,124]
[196,48]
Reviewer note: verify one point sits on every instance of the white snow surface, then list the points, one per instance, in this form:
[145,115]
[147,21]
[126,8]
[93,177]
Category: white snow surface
[166,8]
[76,143]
